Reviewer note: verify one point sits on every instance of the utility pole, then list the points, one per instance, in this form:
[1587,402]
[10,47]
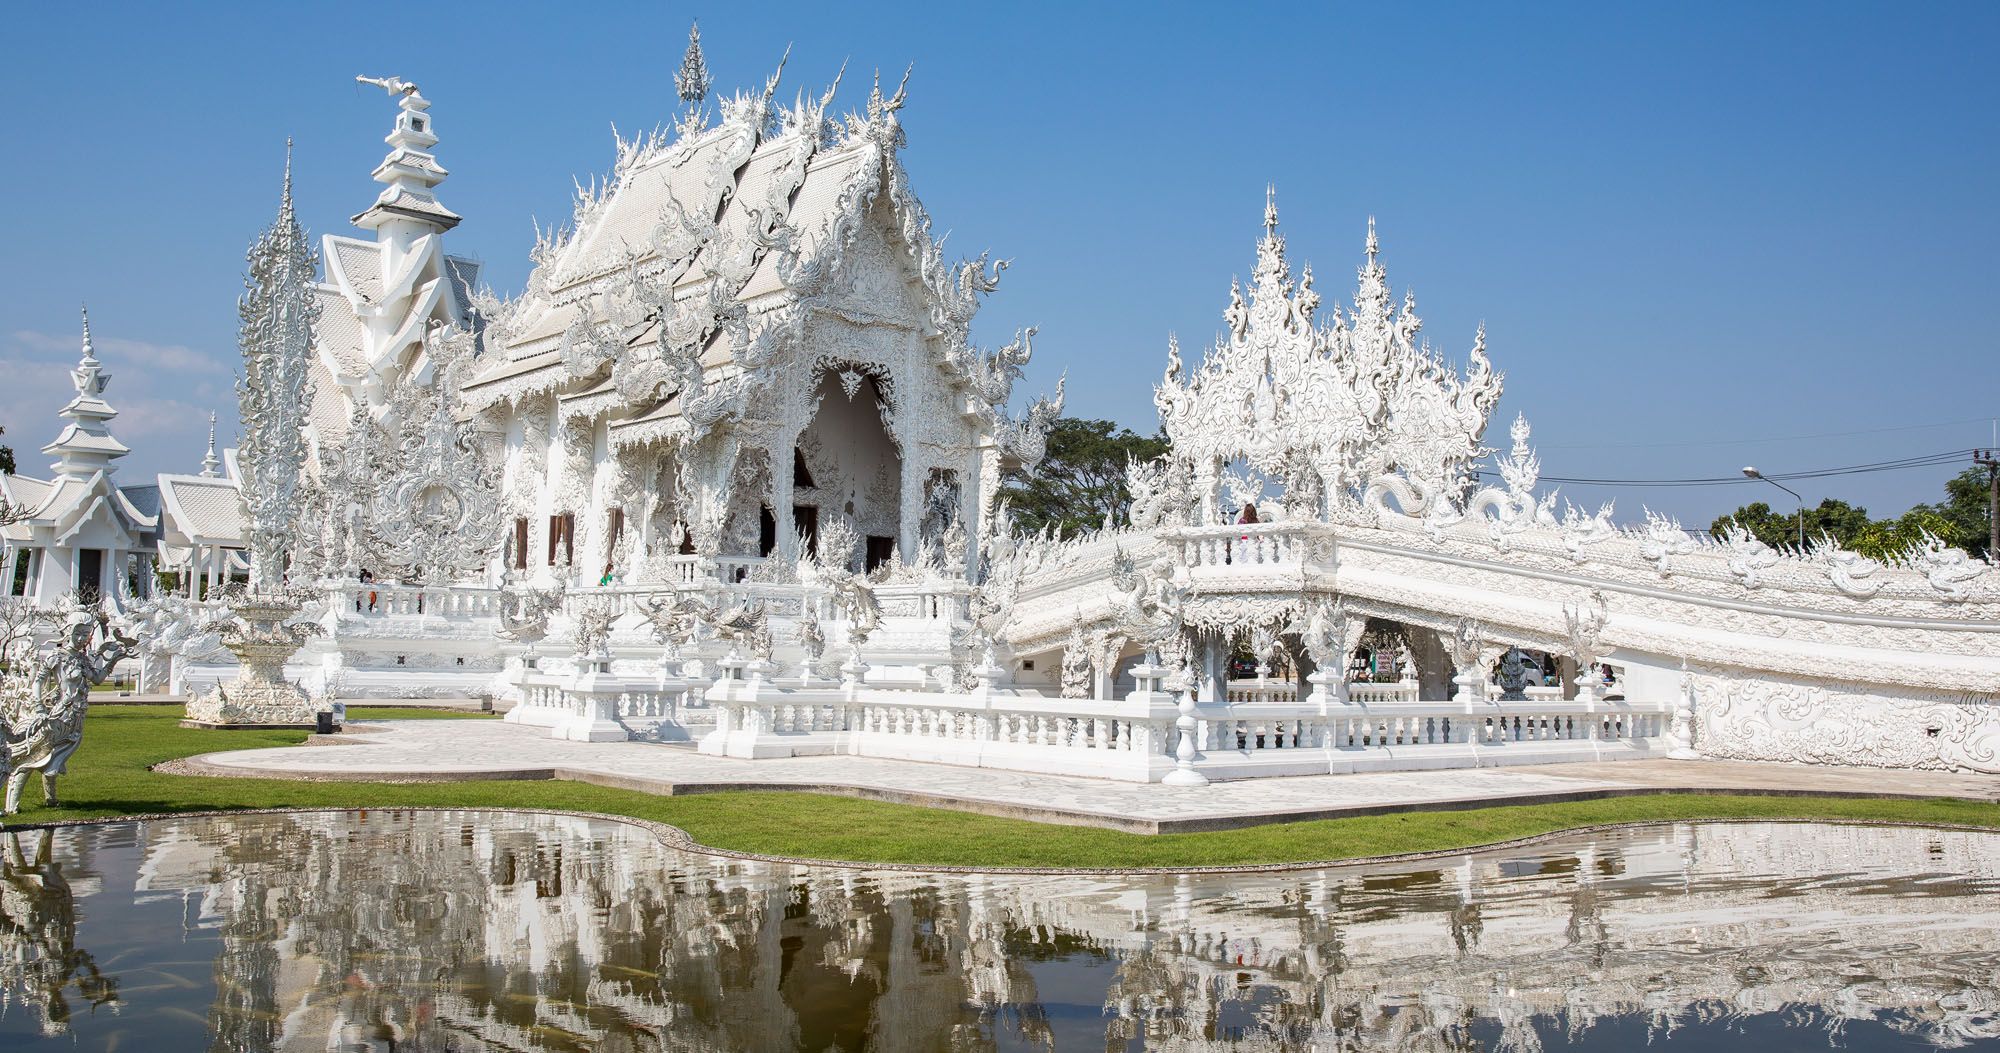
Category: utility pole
[1990,460]
[1752,473]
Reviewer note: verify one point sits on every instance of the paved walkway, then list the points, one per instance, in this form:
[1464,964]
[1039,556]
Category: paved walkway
[430,750]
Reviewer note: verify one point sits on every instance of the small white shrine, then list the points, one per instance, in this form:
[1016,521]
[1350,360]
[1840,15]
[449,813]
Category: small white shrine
[79,532]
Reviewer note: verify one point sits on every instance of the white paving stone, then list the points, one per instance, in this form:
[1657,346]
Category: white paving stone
[461,747]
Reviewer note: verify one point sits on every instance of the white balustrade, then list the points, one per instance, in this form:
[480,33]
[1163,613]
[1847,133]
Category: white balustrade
[375,600]
[1266,690]
[1261,731]
[1244,547]
[1399,691]
[1126,740]
[1240,741]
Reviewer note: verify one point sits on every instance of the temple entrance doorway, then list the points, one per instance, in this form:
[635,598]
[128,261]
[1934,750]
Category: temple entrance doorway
[847,465]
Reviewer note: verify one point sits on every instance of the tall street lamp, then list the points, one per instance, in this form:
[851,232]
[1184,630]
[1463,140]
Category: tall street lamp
[1755,474]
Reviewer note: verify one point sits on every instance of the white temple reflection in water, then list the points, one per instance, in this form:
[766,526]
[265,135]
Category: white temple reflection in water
[462,930]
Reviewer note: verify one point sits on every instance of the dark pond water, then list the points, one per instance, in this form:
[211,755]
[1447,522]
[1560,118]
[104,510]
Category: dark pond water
[439,931]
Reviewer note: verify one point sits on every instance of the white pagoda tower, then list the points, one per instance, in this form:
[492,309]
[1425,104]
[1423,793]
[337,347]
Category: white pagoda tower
[381,296]
[82,532]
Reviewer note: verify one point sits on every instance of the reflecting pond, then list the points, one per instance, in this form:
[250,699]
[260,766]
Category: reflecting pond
[439,931]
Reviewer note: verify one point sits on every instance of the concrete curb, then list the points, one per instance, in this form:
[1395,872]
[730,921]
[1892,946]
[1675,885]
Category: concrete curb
[201,766]
[678,839]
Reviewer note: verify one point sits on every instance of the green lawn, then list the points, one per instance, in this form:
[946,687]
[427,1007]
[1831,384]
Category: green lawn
[109,777]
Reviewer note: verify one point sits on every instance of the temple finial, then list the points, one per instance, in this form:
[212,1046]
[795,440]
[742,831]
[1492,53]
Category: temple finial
[285,201]
[692,81]
[1374,245]
[89,352]
[1271,208]
[211,464]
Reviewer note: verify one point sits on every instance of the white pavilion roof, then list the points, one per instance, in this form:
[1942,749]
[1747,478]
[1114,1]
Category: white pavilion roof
[203,510]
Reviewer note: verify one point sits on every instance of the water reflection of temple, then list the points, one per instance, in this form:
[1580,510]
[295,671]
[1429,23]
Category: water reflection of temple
[463,930]
[40,962]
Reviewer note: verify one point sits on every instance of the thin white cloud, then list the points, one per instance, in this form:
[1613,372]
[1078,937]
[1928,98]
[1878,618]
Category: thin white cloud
[163,394]
[115,352]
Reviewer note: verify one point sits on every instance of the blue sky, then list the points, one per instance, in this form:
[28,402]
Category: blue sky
[1685,225]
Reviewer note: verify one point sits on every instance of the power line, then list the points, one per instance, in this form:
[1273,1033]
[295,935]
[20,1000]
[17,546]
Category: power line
[1901,464]
[1771,438]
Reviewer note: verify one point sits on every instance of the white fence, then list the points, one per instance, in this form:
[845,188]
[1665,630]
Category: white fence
[1135,738]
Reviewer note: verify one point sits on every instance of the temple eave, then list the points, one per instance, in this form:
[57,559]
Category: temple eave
[442,218]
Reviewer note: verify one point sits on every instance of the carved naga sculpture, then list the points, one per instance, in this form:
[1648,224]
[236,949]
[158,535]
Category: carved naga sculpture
[42,707]
[1149,606]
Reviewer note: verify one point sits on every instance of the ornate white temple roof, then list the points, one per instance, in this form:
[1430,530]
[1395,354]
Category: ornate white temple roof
[626,229]
[715,233]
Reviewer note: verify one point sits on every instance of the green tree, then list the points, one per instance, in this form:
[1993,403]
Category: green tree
[1081,481]
[1959,520]
[6,455]
[1833,516]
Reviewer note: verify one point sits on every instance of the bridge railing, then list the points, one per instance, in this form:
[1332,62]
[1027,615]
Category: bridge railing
[1258,733]
[1244,546]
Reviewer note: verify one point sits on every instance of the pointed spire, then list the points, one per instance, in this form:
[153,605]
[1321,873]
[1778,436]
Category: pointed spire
[1271,209]
[211,464]
[692,81]
[1374,245]
[86,445]
[89,351]
[408,207]
[285,201]
[89,376]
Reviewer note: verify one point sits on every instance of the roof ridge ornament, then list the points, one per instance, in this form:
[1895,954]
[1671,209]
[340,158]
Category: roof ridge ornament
[692,81]
[393,85]
[878,107]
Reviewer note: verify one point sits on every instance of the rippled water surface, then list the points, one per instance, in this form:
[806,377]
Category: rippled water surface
[435,931]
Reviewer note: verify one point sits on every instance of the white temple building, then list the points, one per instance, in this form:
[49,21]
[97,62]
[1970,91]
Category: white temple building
[78,531]
[727,470]
[202,527]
